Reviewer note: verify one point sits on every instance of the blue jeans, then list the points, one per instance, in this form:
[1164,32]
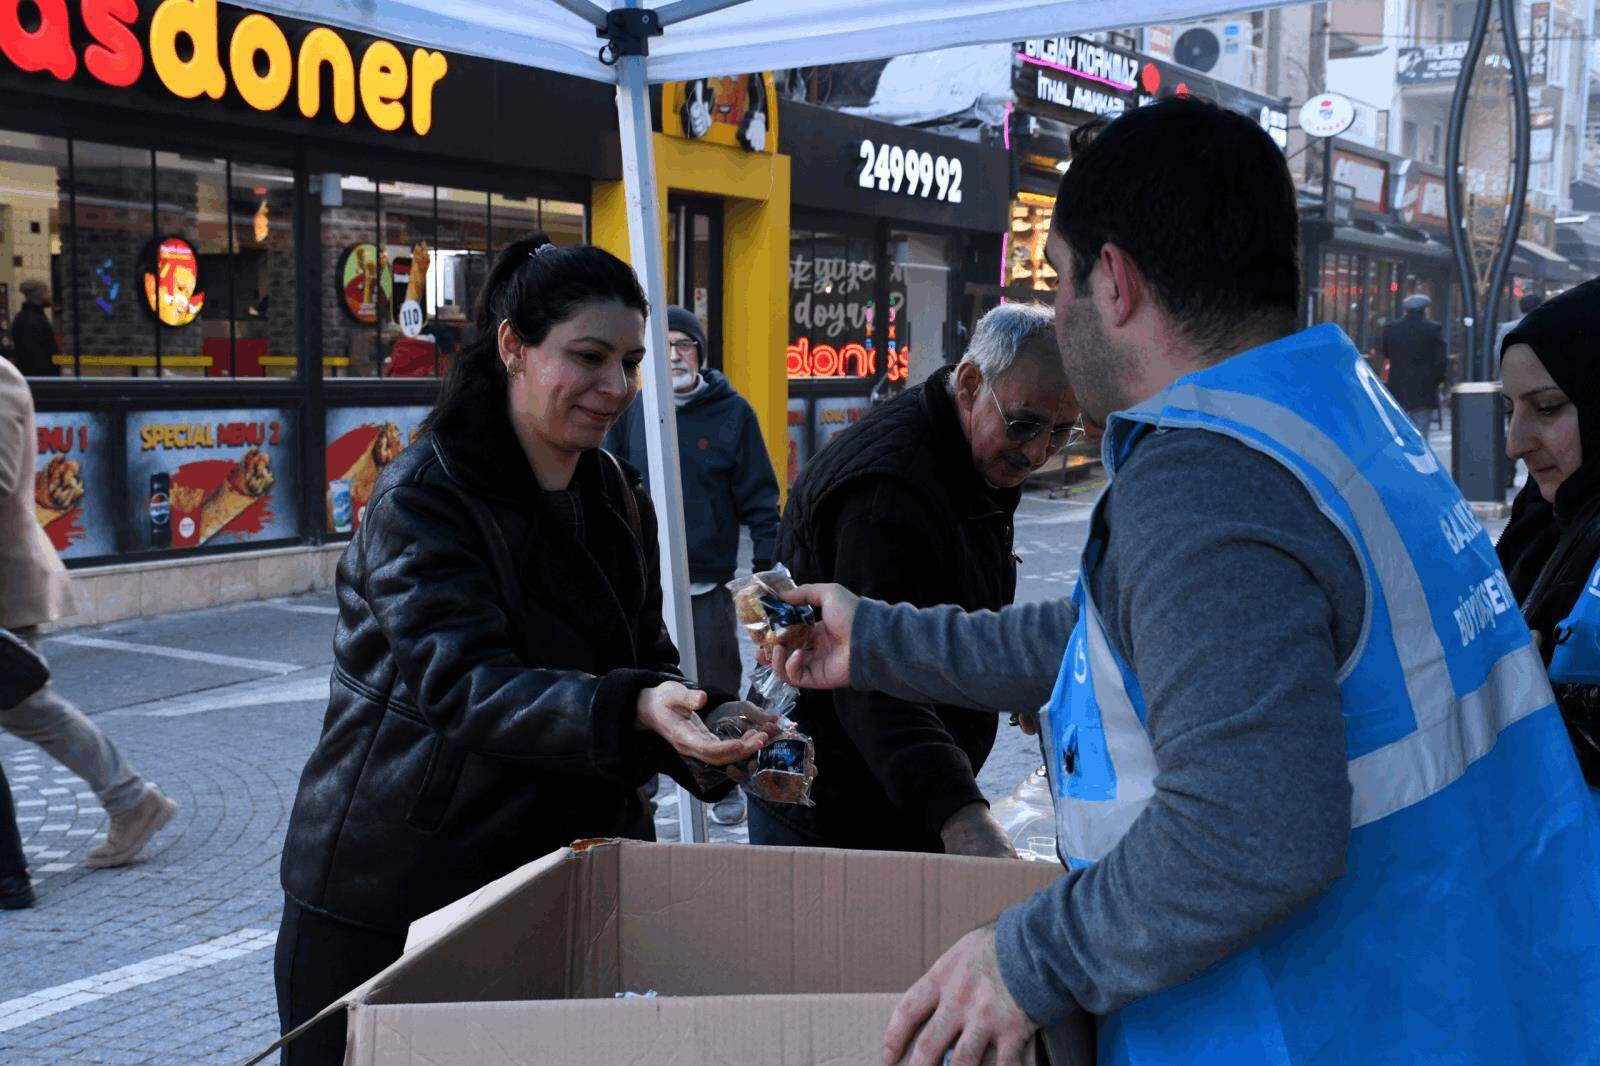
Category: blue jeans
[767,831]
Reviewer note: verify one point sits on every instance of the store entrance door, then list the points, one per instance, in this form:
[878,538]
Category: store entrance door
[694,266]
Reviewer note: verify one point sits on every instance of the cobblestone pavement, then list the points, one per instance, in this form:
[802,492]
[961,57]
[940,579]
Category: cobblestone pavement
[170,960]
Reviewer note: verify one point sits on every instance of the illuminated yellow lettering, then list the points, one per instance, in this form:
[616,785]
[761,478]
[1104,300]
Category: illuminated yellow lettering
[427,70]
[383,85]
[257,33]
[323,46]
[200,74]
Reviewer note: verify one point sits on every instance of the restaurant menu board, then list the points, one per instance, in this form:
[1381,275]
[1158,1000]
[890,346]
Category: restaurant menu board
[211,477]
[799,439]
[835,414]
[72,484]
[361,442]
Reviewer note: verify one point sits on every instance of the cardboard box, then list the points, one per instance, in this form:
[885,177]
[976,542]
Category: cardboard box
[760,956]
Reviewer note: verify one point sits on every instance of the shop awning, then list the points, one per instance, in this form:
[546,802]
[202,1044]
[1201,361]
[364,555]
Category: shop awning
[706,38]
[1543,264]
[1393,244]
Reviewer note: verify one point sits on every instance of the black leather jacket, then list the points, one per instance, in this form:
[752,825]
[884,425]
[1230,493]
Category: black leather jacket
[487,667]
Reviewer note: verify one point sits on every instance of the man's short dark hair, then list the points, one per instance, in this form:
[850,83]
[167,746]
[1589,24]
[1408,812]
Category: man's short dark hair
[1200,197]
[1530,302]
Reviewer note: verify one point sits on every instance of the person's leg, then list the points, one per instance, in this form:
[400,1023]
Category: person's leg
[767,830]
[16,890]
[317,961]
[68,737]
[716,641]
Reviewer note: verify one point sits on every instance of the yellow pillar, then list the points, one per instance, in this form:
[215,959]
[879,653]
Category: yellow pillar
[755,190]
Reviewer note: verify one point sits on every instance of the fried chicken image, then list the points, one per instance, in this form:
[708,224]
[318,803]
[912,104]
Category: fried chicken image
[56,489]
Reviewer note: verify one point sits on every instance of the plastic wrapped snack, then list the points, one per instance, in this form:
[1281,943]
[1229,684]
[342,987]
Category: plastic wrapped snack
[785,768]
[763,613]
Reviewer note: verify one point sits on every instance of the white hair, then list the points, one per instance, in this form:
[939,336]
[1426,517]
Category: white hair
[1006,331]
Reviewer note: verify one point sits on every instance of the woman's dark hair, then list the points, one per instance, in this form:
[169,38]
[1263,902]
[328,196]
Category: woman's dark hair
[535,291]
[1201,199]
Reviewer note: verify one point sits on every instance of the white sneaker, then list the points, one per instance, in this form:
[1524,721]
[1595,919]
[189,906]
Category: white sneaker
[131,830]
[730,809]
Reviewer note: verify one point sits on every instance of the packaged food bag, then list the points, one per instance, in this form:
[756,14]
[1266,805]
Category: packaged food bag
[763,613]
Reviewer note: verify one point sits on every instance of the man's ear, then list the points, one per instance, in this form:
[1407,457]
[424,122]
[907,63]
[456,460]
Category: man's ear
[968,382]
[1126,291]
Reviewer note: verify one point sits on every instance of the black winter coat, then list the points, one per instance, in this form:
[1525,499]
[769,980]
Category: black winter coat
[894,509]
[34,340]
[487,668]
[1414,347]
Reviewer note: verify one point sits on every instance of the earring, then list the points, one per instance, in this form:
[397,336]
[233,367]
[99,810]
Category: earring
[514,368]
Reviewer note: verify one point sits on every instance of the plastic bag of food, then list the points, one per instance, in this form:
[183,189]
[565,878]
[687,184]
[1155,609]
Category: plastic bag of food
[763,613]
[785,768]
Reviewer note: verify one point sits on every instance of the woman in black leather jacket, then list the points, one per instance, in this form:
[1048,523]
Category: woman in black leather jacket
[1550,374]
[503,681]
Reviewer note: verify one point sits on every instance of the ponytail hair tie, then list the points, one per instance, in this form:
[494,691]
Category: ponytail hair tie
[543,249]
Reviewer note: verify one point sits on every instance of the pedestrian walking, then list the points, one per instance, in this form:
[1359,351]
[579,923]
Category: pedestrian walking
[728,484]
[1309,780]
[36,590]
[1414,347]
[22,673]
[914,504]
[503,681]
[33,338]
[1551,548]
[1526,304]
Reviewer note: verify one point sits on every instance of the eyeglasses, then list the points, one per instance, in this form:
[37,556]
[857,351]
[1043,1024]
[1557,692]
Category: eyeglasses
[686,346]
[1024,430]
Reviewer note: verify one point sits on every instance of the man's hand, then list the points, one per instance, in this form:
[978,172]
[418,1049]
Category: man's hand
[973,831]
[825,661]
[670,710]
[965,1003]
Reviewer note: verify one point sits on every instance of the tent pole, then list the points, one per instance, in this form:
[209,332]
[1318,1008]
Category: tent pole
[660,414]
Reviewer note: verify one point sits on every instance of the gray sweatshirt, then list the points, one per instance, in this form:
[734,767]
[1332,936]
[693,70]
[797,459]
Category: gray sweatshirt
[1235,602]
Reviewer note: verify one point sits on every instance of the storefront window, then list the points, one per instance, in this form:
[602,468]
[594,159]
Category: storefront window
[1343,292]
[262,293]
[114,228]
[185,267]
[920,270]
[1025,244]
[462,264]
[410,243]
[563,222]
[833,328]
[35,172]
[351,262]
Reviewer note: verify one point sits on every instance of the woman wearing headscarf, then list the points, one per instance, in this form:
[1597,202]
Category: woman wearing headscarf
[1550,376]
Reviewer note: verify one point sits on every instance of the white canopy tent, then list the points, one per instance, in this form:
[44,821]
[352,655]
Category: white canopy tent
[703,38]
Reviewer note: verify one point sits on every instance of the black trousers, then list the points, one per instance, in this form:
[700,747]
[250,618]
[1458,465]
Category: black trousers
[318,960]
[12,861]
[716,641]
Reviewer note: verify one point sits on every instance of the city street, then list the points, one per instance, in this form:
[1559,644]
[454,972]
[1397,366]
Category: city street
[170,960]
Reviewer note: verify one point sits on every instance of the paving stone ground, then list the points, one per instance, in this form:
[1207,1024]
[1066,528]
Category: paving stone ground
[170,960]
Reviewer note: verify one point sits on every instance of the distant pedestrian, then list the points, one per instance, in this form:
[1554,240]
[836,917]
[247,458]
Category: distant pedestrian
[35,590]
[1414,347]
[727,483]
[32,336]
[1528,303]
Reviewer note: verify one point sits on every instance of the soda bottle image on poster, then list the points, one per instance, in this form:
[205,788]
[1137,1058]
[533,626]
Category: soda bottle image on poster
[72,483]
[211,477]
[362,441]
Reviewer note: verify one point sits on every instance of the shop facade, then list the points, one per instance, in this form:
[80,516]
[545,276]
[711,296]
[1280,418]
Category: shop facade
[262,241]
[1062,83]
[893,247]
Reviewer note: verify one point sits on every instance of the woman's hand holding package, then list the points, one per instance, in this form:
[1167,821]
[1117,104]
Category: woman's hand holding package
[671,710]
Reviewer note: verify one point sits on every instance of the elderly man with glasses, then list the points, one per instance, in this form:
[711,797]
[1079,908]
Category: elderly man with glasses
[914,505]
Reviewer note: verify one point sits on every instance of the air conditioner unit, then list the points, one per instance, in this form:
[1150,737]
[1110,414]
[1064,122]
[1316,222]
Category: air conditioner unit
[1222,48]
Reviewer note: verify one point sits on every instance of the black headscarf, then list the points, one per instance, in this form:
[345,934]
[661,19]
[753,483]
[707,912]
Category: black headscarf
[1549,551]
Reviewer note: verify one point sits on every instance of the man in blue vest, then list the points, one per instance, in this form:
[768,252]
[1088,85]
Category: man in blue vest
[1315,799]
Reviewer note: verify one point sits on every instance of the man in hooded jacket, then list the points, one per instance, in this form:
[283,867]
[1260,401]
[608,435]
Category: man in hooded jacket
[728,483]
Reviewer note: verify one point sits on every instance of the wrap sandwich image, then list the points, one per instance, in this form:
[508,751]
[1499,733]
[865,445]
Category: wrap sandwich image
[56,489]
[248,481]
[363,473]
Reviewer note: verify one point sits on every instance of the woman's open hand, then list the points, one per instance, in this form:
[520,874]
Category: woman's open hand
[670,710]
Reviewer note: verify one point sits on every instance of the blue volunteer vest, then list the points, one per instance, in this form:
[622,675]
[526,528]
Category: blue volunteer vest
[1576,659]
[1467,926]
